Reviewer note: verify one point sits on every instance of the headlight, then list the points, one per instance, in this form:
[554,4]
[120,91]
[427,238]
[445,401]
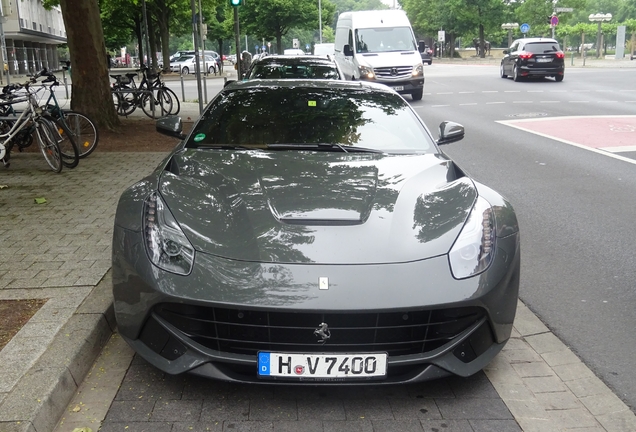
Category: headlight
[474,249]
[168,248]
[418,70]
[366,72]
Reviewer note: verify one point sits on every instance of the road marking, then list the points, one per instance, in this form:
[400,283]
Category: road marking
[558,91]
[550,102]
[437,106]
[535,91]
[490,91]
[512,91]
[493,103]
[522,102]
[466,104]
[581,91]
[578,101]
[446,93]
[467,92]
[622,149]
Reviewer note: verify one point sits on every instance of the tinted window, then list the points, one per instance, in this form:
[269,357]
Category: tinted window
[542,47]
[274,71]
[348,117]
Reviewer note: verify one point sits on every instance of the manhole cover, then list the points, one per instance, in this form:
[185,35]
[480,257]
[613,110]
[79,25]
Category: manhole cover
[527,115]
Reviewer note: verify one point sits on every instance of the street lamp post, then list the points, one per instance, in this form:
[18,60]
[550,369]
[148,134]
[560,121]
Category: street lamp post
[319,21]
[510,27]
[599,18]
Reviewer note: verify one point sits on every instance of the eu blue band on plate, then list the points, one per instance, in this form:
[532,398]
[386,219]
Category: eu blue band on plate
[263,363]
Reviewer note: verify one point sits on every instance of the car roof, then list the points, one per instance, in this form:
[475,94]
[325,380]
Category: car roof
[536,39]
[294,59]
[305,83]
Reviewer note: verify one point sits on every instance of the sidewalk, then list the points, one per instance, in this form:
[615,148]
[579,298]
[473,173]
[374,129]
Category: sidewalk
[60,251]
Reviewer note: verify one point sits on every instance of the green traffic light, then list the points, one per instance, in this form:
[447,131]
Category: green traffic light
[236,2]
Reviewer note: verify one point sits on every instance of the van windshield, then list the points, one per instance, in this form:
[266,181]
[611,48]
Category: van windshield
[374,40]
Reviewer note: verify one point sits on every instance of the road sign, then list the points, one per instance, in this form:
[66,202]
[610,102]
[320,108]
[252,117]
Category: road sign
[441,36]
[306,46]
[263,47]
[564,9]
[256,47]
[524,28]
[295,43]
[269,44]
[554,21]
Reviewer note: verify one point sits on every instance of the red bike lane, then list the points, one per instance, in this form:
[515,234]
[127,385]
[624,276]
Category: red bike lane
[613,134]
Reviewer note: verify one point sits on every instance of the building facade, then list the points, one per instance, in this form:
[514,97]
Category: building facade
[31,36]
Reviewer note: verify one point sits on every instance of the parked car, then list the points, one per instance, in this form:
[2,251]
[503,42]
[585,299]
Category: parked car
[533,57]
[426,53]
[294,67]
[186,64]
[293,51]
[312,232]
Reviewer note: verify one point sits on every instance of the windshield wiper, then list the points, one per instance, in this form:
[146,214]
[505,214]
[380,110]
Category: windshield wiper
[322,146]
[232,146]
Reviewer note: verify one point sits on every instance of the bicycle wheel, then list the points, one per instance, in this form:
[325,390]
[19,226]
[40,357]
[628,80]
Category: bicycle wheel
[176,105]
[48,145]
[83,130]
[162,104]
[124,101]
[65,140]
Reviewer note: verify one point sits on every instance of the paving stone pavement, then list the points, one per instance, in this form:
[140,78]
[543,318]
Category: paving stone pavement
[60,251]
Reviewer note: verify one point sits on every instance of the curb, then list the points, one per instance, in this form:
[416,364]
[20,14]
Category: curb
[40,397]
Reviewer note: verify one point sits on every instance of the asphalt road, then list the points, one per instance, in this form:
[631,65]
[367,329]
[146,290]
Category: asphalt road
[575,206]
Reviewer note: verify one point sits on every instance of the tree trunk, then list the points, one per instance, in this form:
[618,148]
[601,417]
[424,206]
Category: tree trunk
[90,92]
[220,42]
[162,22]
[152,41]
[279,43]
[482,44]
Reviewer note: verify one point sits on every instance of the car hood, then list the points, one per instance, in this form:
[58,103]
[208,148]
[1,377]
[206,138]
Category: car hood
[317,207]
[391,58]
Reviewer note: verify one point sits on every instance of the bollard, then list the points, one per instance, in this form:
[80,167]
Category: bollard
[572,59]
[205,90]
[182,90]
[65,83]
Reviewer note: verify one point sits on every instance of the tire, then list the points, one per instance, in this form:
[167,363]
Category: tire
[417,94]
[48,146]
[83,130]
[515,74]
[176,105]
[162,104]
[124,102]
[501,71]
[185,71]
[558,78]
[430,62]
[212,70]
[65,141]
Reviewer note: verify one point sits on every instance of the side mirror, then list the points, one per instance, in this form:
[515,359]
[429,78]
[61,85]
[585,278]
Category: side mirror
[450,132]
[348,52]
[171,126]
[506,51]
[421,46]
[228,82]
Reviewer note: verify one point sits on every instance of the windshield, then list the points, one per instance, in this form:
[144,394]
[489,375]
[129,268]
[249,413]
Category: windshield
[259,116]
[374,40]
[276,70]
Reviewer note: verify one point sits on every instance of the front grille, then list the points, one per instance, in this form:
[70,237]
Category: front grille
[249,331]
[393,72]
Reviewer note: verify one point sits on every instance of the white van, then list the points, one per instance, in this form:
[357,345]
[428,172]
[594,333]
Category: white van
[380,46]
[324,49]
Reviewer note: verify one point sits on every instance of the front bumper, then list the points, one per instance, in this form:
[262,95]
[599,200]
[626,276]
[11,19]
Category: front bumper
[140,289]
[402,86]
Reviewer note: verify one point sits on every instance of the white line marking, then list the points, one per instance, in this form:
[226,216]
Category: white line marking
[467,92]
[512,91]
[581,91]
[493,103]
[606,101]
[437,106]
[578,101]
[620,149]
[466,104]
[558,91]
[535,91]
[550,102]
[490,91]
[446,93]
[522,102]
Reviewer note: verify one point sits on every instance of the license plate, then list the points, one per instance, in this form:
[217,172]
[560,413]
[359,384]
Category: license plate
[544,60]
[322,366]
[398,88]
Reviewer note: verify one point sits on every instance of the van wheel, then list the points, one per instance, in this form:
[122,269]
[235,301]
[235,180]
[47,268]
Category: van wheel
[417,94]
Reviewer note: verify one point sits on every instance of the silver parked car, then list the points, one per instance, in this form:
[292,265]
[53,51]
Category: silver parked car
[312,231]
[187,64]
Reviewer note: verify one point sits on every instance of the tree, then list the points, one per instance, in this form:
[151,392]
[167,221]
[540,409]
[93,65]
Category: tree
[91,92]
[272,19]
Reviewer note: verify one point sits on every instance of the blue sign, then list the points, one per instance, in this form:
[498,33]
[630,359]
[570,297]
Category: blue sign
[263,47]
[525,28]
[307,46]
[256,47]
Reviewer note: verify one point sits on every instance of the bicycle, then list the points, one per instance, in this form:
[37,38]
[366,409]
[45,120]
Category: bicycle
[127,96]
[19,130]
[79,125]
[61,132]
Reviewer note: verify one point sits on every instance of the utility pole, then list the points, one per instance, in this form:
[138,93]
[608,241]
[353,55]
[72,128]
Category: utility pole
[197,65]
[237,42]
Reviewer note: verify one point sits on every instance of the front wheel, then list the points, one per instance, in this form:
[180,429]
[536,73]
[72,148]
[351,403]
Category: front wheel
[417,94]
[156,106]
[212,70]
[49,146]
[66,141]
[185,71]
[176,105]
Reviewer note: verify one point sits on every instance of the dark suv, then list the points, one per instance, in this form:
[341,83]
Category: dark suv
[533,57]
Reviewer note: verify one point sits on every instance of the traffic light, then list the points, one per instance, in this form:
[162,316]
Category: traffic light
[237,3]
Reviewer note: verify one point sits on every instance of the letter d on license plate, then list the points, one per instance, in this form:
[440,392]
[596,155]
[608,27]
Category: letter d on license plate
[321,366]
